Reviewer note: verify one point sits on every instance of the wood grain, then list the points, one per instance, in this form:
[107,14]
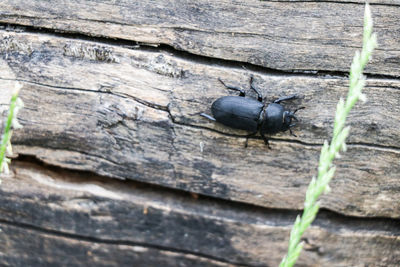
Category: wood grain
[35,248]
[73,218]
[288,35]
[133,114]
[115,167]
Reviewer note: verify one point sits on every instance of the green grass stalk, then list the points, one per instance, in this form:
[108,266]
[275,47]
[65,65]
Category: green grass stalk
[11,123]
[326,169]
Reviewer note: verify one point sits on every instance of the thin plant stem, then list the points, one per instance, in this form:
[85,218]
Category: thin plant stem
[15,105]
[326,169]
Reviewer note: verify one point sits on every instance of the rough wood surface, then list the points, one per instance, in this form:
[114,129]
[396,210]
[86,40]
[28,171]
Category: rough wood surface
[301,36]
[136,117]
[40,248]
[115,88]
[83,219]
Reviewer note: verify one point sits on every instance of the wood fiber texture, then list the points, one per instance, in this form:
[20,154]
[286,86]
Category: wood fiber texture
[313,36]
[114,89]
[92,216]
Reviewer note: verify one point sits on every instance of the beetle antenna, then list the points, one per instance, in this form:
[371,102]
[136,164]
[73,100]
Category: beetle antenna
[298,109]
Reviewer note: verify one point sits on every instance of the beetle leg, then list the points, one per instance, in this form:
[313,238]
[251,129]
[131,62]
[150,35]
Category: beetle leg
[294,117]
[290,130]
[285,98]
[207,116]
[247,138]
[242,92]
[265,140]
[259,96]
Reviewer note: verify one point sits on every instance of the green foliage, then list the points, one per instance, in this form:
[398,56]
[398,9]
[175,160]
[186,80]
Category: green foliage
[11,123]
[326,169]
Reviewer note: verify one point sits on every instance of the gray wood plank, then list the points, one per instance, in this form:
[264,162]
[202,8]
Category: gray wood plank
[133,114]
[72,218]
[27,247]
[287,35]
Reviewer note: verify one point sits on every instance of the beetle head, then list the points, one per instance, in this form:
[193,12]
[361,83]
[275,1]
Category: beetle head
[288,118]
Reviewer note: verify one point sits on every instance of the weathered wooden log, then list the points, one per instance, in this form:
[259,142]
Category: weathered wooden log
[133,114]
[115,88]
[69,218]
[301,36]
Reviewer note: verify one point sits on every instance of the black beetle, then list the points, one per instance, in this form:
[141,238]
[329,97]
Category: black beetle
[253,115]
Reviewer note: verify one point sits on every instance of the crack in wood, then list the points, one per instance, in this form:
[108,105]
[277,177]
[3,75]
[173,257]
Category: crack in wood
[96,219]
[238,212]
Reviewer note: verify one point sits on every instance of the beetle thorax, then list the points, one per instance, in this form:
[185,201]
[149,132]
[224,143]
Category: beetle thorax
[273,119]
